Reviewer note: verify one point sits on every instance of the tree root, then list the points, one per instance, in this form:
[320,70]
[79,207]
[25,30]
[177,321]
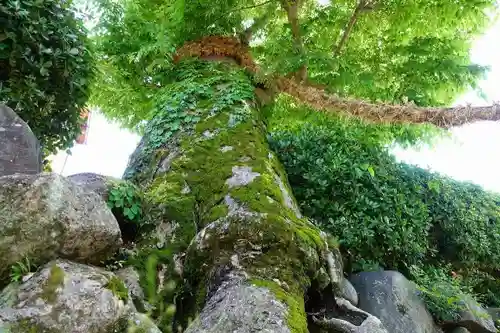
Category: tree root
[369,324]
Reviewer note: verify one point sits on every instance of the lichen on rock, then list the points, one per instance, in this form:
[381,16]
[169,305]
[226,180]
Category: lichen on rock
[63,297]
[46,216]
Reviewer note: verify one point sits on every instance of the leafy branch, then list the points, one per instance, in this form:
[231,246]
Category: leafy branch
[238,9]
[258,24]
[292,10]
[362,6]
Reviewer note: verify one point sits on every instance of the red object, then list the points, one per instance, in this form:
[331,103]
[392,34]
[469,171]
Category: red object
[82,138]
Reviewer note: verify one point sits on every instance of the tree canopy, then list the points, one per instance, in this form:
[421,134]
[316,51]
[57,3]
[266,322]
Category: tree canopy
[45,67]
[393,51]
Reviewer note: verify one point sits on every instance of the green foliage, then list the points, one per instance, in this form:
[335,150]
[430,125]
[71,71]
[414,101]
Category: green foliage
[118,288]
[45,67]
[397,51]
[442,293]
[388,214]
[181,104]
[159,283]
[135,42]
[126,198]
[176,106]
[20,269]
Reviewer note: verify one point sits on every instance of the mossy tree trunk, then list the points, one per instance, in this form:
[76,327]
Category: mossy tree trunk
[220,199]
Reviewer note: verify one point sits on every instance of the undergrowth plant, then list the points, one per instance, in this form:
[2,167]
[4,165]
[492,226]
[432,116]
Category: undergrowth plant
[21,269]
[126,198]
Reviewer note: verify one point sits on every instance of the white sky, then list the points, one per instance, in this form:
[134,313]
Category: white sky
[470,155]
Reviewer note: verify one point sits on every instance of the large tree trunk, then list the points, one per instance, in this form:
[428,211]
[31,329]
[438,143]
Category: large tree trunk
[222,200]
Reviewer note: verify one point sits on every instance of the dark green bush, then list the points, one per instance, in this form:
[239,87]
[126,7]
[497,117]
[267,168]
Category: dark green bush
[45,65]
[388,214]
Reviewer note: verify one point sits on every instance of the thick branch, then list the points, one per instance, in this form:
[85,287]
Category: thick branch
[292,10]
[362,6]
[389,113]
[317,98]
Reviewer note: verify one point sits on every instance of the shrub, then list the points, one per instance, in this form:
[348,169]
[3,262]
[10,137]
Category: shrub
[388,214]
[45,66]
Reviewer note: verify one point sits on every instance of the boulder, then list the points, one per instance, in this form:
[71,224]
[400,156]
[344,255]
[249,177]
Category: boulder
[65,297]
[392,298]
[46,216]
[474,317]
[101,185]
[94,182]
[19,148]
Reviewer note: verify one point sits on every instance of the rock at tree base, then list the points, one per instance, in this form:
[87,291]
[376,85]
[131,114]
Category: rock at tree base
[46,216]
[240,307]
[393,299]
[66,297]
[94,182]
[19,148]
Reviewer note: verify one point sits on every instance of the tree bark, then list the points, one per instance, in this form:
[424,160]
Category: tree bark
[444,117]
[220,199]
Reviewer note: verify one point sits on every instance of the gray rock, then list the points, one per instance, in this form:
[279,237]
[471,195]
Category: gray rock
[94,182]
[239,307]
[46,216]
[131,279]
[393,299]
[347,291]
[65,297]
[19,148]
[475,318]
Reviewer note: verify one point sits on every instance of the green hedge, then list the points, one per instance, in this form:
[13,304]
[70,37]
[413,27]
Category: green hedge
[387,214]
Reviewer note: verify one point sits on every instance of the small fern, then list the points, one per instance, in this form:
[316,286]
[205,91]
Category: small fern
[21,269]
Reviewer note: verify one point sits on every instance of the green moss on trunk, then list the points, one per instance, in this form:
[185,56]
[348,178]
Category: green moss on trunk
[220,194]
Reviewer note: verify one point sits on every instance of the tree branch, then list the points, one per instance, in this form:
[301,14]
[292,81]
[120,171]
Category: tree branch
[362,6]
[242,8]
[389,113]
[258,24]
[292,10]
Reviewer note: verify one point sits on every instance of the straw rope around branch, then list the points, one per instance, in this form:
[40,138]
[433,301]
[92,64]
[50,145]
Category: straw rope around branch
[230,47]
